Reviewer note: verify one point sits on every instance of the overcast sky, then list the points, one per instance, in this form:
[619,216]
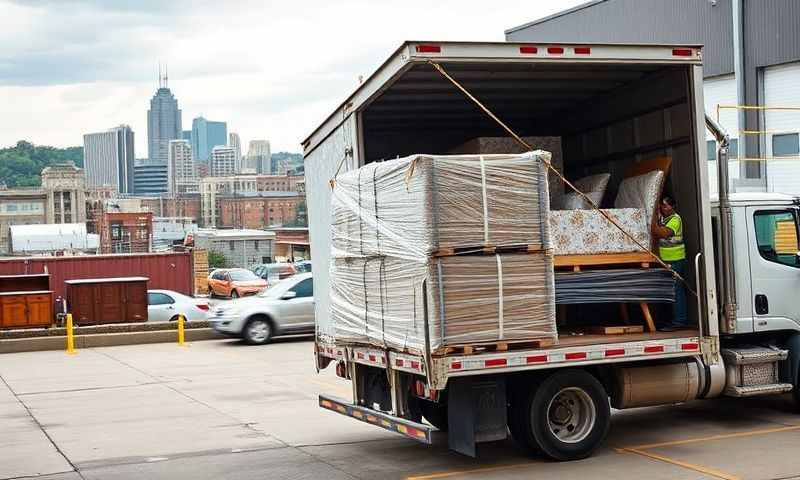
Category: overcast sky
[271,69]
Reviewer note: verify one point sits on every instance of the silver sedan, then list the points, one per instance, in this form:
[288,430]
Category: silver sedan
[166,305]
[285,308]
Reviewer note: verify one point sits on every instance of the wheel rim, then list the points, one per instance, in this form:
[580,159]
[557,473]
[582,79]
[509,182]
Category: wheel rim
[571,415]
[258,331]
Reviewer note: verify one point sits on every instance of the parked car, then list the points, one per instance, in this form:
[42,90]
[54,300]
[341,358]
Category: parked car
[272,272]
[166,305]
[234,283]
[303,266]
[285,308]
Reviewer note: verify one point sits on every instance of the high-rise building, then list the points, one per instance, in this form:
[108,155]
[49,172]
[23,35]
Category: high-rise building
[149,177]
[223,161]
[108,159]
[163,122]
[259,156]
[206,135]
[181,174]
[236,143]
[187,135]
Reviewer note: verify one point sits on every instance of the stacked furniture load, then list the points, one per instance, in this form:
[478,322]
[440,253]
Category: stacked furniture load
[443,252]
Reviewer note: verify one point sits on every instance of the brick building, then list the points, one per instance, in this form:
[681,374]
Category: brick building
[125,232]
[258,210]
[187,205]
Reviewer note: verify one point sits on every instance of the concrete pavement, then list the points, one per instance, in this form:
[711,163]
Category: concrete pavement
[221,409]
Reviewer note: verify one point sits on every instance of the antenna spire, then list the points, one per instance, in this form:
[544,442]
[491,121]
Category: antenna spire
[159,74]
[166,76]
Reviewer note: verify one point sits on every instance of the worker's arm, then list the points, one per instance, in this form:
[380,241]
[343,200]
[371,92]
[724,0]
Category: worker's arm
[660,231]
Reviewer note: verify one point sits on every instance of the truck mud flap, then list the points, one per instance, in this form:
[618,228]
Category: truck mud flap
[407,428]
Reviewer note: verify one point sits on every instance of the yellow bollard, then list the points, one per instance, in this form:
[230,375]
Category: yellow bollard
[181,332]
[70,336]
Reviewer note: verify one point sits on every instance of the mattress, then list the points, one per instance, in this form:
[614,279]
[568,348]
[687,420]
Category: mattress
[587,232]
[651,285]
[470,299]
[414,206]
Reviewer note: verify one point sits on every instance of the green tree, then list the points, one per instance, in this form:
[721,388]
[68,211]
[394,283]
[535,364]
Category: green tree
[22,164]
[216,260]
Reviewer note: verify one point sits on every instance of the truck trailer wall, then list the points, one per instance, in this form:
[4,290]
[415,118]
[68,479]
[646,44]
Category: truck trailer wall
[169,271]
[321,165]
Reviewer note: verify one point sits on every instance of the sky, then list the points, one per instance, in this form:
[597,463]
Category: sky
[272,70]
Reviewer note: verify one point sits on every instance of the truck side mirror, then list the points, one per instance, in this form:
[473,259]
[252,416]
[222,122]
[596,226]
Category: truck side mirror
[289,295]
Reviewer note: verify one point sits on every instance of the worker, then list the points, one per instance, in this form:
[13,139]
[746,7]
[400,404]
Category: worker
[671,249]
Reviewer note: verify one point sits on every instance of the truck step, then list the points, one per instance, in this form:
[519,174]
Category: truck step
[755,390]
[753,355]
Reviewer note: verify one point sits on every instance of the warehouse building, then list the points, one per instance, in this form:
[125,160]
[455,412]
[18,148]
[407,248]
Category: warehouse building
[767,140]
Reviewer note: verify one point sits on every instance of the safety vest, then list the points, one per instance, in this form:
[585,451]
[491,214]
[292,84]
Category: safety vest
[672,249]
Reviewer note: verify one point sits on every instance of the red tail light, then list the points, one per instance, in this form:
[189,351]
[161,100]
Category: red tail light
[555,50]
[429,49]
[528,50]
[583,50]
[681,52]
[203,306]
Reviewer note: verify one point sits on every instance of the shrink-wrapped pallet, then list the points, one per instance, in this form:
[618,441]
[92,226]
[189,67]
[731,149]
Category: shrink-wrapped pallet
[471,299]
[414,206]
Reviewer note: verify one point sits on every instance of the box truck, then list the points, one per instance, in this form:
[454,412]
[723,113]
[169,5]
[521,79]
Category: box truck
[607,109]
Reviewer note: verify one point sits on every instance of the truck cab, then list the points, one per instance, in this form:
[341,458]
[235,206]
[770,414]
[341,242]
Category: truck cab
[766,262]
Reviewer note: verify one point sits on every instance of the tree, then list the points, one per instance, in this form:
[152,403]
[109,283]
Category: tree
[22,164]
[216,260]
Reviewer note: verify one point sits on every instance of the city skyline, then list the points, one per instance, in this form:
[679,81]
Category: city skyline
[262,84]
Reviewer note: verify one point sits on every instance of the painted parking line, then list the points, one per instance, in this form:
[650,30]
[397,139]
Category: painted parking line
[454,473]
[642,450]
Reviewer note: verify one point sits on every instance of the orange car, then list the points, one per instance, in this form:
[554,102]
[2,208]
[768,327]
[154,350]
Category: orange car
[234,283]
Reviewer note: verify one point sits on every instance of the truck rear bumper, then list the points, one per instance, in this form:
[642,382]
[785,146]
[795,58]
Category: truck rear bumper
[407,428]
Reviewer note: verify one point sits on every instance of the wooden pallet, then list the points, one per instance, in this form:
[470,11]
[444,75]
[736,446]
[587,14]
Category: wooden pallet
[616,329]
[487,250]
[578,262]
[502,346]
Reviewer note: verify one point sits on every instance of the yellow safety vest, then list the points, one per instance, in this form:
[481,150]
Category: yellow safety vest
[672,249]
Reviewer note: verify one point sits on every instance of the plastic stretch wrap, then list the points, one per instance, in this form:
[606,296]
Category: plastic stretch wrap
[470,299]
[413,206]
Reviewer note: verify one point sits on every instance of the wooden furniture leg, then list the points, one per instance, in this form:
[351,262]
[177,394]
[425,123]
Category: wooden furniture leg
[649,318]
[623,311]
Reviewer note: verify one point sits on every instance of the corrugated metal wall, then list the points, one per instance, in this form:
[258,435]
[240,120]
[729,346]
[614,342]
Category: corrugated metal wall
[644,21]
[170,271]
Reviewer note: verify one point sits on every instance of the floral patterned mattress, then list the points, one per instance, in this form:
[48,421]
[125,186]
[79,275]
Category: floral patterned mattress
[584,232]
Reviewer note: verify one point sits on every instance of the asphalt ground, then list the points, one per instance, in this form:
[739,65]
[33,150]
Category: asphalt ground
[221,409]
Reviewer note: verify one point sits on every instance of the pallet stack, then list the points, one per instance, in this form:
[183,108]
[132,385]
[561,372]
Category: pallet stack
[200,268]
[457,244]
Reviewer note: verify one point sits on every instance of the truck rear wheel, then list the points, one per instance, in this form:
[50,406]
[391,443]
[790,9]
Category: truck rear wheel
[568,415]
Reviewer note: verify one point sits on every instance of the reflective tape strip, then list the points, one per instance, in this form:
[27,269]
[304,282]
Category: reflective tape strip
[485,202]
[499,297]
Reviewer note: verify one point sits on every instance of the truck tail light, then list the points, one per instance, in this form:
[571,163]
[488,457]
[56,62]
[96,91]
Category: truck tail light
[582,50]
[528,50]
[428,49]
[681,52]
[555,50]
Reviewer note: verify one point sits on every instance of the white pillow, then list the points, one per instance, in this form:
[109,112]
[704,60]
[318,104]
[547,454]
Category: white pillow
[640,192]
[594,186]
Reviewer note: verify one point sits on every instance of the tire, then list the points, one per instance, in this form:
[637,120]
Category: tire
[234,294]
[257,331]
[568,415]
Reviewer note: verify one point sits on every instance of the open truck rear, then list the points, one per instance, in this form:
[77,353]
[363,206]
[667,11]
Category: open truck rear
[611,107]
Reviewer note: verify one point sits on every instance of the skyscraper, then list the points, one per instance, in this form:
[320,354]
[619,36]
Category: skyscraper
[187,135]
[108,159]
[181,172]
[206,135]
[235,142]
[149,177]
[259,156]
[163,122]
[223,161]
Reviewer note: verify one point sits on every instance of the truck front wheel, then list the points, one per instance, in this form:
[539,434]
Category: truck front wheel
[568,415]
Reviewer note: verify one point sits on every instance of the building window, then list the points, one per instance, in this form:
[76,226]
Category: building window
[231,245]
[733,148]
[711,150]
[255,244]
[785,145]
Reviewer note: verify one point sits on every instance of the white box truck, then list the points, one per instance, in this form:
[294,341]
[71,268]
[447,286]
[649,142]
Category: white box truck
[611,106]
